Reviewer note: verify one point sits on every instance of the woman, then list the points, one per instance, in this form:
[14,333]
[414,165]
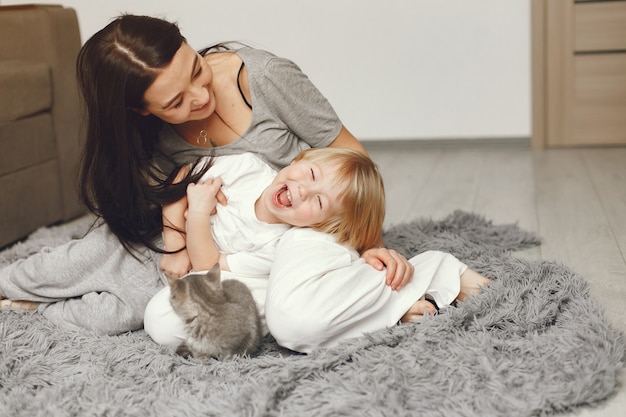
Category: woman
[153,104]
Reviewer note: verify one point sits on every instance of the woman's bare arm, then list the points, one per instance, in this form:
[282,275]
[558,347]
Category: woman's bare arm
[345,139]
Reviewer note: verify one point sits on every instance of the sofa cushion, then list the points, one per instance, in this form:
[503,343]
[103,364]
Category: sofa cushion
[31,198]
[26,88]
[26,142]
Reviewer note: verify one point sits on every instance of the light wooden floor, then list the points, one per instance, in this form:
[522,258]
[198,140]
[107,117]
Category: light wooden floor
[575,199]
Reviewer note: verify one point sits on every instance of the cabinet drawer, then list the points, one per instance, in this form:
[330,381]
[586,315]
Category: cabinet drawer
[600,26]
[599,102]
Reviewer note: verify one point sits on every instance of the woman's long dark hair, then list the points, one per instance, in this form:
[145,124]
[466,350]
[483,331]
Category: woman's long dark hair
[119,179]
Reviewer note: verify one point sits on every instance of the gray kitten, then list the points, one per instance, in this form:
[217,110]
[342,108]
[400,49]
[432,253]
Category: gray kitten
[221,318]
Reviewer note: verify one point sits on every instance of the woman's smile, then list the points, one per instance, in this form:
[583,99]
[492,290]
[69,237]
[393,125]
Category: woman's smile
[204,107]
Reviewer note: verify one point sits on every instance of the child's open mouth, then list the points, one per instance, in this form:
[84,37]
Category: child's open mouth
[282,197]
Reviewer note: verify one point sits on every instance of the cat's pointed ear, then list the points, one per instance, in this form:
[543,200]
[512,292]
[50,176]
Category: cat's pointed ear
[171,278]
[215,270]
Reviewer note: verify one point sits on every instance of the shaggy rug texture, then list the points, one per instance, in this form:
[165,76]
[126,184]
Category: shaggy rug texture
[533,343]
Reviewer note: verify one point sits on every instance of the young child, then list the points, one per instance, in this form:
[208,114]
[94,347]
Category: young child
[321,292]
[331,190]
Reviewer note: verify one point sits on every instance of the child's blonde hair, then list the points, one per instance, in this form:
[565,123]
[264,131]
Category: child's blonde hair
[360,221]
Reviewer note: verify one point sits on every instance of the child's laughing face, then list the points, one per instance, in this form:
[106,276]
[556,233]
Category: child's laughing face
[302,194]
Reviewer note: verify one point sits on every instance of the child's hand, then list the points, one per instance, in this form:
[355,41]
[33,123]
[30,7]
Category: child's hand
[399,269]
[202,197]
[221,198]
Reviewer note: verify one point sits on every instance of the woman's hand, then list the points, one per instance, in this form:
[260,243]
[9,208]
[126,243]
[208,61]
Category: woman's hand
[176,264]
[399,269]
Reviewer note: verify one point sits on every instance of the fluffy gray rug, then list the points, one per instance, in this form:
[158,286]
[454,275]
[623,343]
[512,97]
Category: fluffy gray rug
[533,343]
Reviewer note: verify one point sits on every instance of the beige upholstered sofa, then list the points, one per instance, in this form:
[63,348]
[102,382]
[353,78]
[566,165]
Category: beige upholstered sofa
[39,119]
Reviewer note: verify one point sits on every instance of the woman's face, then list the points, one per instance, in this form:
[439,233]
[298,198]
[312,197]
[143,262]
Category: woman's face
[302,194]
[183,90]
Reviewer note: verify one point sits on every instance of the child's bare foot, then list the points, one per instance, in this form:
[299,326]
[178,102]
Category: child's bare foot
[471,283]
[6,304]
[418,310]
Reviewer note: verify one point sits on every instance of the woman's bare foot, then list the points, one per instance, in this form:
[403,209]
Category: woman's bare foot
[419,310]
[6,304]
[471,283]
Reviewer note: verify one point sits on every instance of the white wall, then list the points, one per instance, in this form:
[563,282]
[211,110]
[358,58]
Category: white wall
[398,69]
